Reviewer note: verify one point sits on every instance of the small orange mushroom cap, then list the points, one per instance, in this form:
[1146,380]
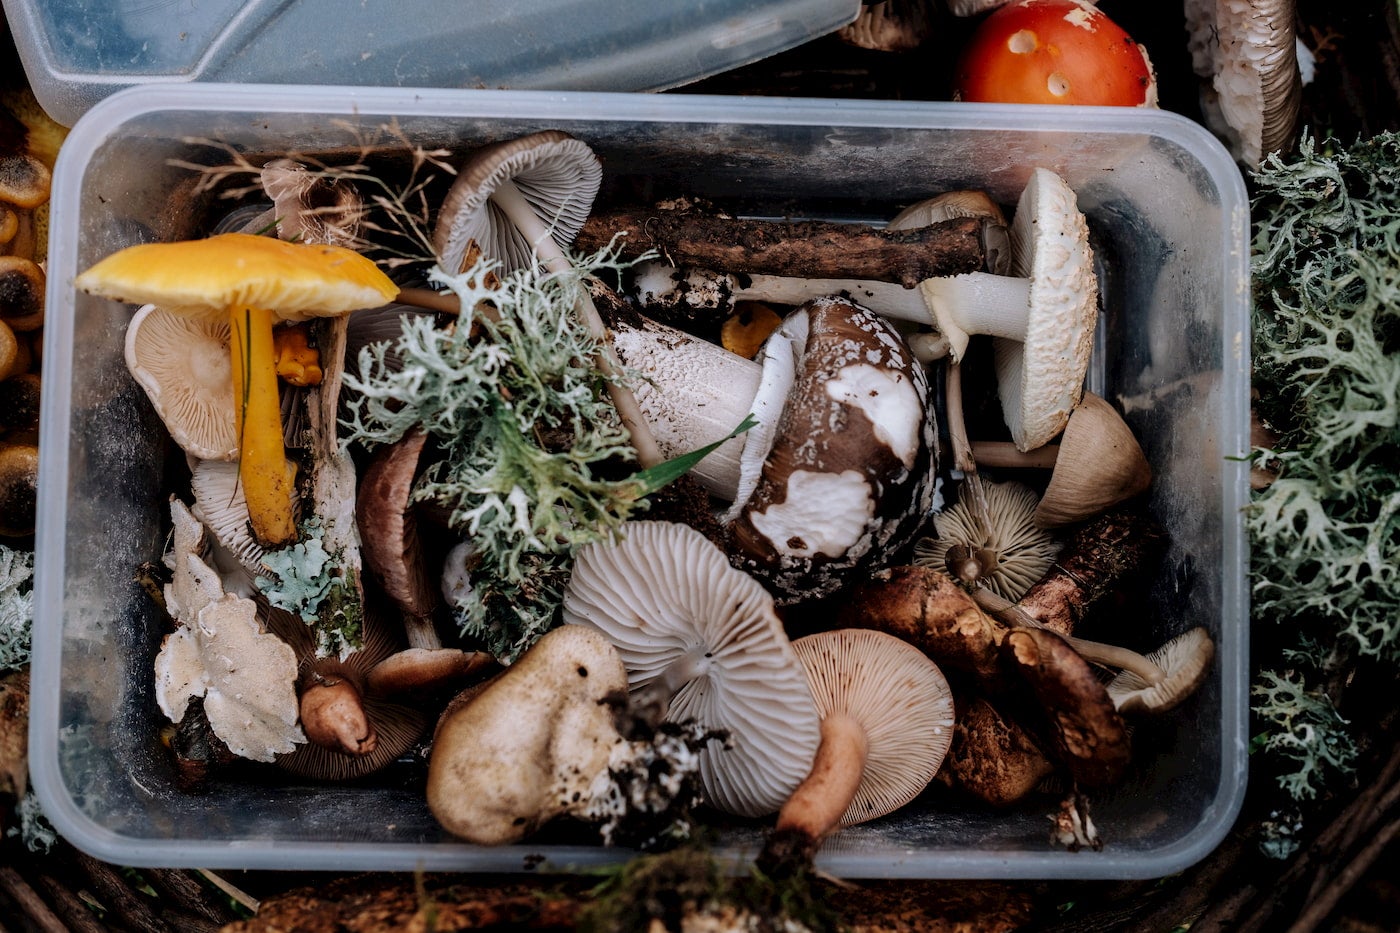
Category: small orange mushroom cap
[1054,52]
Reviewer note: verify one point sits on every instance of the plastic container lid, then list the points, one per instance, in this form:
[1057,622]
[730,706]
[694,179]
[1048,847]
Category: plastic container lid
[76,52]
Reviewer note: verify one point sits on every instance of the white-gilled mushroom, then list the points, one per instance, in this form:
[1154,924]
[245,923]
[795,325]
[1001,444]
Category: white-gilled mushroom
[886,723]
[220,506]
[182,363]
[1174,671]
[526,748]
[251,282]
[705,637]
[310,207]
[1097,463]
[519,200]
[1042,317]
[1007,555]
[1245,52]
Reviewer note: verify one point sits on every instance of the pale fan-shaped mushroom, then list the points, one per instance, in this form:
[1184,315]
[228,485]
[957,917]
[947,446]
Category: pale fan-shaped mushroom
[705,637]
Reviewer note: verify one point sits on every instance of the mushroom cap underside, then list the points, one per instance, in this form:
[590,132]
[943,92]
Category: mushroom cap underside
[295,281]
[902,702]
[183,365]
[685,620]
[850,474]
[556,173]
[1041,380]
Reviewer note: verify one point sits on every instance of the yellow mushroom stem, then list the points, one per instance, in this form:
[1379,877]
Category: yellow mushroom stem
[816,807]
[263,469]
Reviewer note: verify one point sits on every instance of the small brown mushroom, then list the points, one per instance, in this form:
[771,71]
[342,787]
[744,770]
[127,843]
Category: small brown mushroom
[19,403]
[992,756]
[1087,732]
[22,284]
[19,486]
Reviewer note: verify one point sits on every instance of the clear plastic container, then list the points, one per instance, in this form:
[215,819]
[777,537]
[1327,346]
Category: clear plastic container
[76,52]
[1167,207]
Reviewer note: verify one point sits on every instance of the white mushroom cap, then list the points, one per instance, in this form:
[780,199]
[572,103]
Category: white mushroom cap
[558,176]
[1185,661]
[183,366]
[848,473]
[219,503]
[1023,551]
[246,676]
[193,583]
[707,635]
[1247,52]
[900,699]
[1041,379]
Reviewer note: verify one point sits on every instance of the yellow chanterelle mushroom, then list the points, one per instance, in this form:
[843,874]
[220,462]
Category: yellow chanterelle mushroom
[253,282]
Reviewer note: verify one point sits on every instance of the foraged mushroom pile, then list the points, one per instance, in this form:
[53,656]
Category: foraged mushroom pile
[616,537]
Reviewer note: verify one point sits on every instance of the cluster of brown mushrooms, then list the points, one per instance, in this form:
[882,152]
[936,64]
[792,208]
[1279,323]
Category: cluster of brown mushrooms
[835,635]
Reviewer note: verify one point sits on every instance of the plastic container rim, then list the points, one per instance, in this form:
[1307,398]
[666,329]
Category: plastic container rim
[108,115]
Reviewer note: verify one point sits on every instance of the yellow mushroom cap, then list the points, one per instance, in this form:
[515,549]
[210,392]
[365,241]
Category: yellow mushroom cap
[295,281]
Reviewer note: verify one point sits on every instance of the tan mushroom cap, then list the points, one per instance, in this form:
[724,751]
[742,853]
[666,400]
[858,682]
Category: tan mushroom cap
[1041,380]
[19,487]
[557,174]
[206,277]
[22,286]
[901,701]
[182,364]
[707,635]
[309,207]
[1185,661]
[1099,465]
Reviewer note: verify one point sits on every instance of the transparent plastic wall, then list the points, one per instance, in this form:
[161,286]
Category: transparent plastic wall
[1169,222]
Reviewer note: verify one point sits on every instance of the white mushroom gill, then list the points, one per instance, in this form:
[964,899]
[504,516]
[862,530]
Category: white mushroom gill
[821,513]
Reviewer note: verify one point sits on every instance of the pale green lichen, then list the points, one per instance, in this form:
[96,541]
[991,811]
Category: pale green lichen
[34,829]
[485,401]
[16,607]
[1326,533]
[312,583]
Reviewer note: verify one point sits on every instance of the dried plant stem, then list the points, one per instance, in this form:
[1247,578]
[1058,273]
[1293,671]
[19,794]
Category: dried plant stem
[962,449]
[29,901]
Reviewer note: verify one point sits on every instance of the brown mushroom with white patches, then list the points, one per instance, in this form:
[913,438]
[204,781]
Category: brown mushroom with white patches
[705,639]
[526,749]
[886,722]
[844,475]
[1095,464]
[1007,555]
[182,364]
[519,202]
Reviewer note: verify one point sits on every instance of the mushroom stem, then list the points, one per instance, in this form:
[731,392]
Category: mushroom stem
[962,450]
[266,474]
[981,303]
[1098,652]
[509,199]
[1005,455]
[816,806]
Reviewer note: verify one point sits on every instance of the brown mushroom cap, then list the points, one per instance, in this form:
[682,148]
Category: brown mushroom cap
[992,756]
[19,488]
[24,180]
[557,174]
[22,285]
[848,474]
[1099,465]
[1088,733]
